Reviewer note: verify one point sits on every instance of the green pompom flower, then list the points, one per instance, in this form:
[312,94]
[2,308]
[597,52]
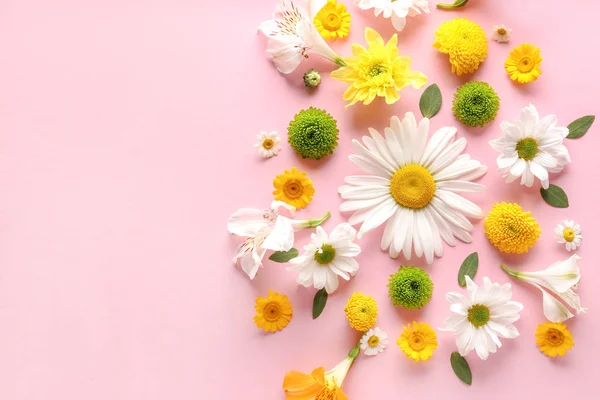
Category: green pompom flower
[410,287]
[312,78]
[475,104]
[313,133]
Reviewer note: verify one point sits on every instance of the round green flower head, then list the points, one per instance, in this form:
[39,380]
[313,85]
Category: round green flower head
[410,287]
[475,103]
[313,133]
[312,78]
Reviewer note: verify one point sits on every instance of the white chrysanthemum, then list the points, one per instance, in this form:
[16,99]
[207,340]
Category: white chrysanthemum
[268,144]
[482,317]
[531,147]
[396,10]
[501,33]
[326,257]
[413,188]
[374,341]
[569,234]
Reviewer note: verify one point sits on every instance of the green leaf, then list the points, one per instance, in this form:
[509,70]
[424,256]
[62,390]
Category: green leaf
[431,101]
[555,196]
[461,368]
[319,303]
[468,267]
[580,126]
[456,4]
[284,256]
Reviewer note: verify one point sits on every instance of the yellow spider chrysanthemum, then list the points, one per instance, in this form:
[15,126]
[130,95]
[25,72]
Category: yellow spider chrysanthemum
[553,339]
[510,229]
[361,312]
[333,21]
[378,71]
[418,341]
[293,188]
[465,43]
[523,63]
[273,313]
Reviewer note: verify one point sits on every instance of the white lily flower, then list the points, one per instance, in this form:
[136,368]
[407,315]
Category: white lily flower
[558,281]
[293,36]
[265,230]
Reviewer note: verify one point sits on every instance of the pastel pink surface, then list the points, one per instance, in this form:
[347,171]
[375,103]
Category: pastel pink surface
[126,134]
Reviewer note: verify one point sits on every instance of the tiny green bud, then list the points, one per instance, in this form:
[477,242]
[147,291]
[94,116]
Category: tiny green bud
[312,78]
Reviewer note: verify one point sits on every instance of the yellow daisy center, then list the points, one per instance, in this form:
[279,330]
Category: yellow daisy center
[416,341]
[501,31]
[527,148]
[555,337]
[412,186]
[326,255]
[272,312]
[268,143]
[373,341]
[293,189]
[525,64]
[478,315]
[332,21]
[568,234]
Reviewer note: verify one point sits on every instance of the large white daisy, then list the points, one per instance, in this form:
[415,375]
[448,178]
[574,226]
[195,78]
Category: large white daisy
[482,317]
[413,188]
[531,147]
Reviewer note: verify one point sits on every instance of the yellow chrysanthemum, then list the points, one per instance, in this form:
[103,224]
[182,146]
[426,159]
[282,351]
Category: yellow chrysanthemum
[378,71]
[553,339]
[273,313]
[465,43]
[361,312]
[510,229]
[418,341]
[523,63]
[293,188]
[333,21]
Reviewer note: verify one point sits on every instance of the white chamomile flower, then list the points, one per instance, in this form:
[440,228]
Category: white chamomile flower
[482,317]
[415,187]
[268,144]
[373,342]
[501,34]
[569,234]
[531,148]
[396,10]
[326,257]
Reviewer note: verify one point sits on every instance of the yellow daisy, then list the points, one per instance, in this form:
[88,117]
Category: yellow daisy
[333,21]
[361,312]
[273,313]
[465,42]
[510,229]
[293,188]
[523,63]
[378,71]
[553,339]
[418,341]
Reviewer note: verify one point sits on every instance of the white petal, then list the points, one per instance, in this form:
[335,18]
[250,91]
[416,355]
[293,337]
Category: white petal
[378,216]
[281,237]
[459,203]
[554,310]
[247,222]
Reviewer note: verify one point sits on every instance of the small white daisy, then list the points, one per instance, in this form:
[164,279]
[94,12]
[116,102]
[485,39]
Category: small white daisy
[373,342]
[501,33]
[569,233]
[326,257]
[268,144]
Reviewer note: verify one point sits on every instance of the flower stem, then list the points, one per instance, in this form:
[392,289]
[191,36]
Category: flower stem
[456,4]
[340,62]
[509,271]
[355,351]
[313,223]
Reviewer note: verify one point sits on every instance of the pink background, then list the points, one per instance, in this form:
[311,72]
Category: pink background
[126,133]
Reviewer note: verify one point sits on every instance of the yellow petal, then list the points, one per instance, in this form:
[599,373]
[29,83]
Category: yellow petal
[372,37]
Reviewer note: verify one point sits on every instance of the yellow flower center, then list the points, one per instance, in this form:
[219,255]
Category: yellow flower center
[268,143]
[332,21]
[293,189]
[373,341]
[527,148]
[416,341]
[525,64]
[478,315]
[412,186]
[272,312]
[326,255]
[569,234]
[555,337]
[501,31]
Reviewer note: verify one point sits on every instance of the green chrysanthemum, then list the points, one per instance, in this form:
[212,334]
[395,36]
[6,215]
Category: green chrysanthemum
[410,287]
[312,78]
[313,133]
[475,104]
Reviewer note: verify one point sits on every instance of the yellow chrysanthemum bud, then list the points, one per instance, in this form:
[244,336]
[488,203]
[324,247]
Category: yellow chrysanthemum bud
[361,312]
[510,229]
[465,43]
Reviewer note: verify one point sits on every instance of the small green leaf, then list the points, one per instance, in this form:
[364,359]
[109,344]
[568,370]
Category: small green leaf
[555,196]
[456,4]
[319,303]
[431,101]
[461,368]
[284,256]
[468,267]
[580,126]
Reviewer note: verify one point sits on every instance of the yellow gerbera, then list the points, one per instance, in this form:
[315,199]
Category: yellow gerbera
[273,313]
[523,63]
[553,339]
[333,21]
[465,43]
[378,71]
[418,341]
[361,312]
[510,229]
[293,188]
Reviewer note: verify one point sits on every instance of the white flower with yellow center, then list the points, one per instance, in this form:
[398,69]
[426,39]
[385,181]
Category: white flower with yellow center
[396,10]
[413,188]
[501,33]
[531,148]
[326,257]
[268,144]
[373,342]
[569,234]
